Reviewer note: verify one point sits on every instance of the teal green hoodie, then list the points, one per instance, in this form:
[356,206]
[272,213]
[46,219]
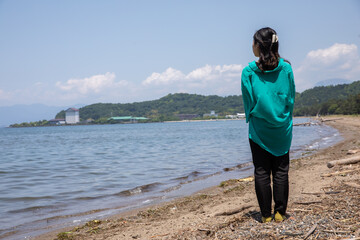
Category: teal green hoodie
[268,102]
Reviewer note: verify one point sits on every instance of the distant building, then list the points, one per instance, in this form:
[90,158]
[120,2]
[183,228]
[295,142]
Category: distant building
[240,115]
[231,116]
[212,114]
[72,116]
[57,121]
[237,116]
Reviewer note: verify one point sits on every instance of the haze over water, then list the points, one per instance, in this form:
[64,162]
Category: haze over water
[49,172]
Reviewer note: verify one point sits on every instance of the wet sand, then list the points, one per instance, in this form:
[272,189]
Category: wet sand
[324,207]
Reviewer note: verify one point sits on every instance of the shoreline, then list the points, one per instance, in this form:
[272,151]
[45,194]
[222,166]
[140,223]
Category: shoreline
[175,121]
[185,185]
[96,124]
[166,220]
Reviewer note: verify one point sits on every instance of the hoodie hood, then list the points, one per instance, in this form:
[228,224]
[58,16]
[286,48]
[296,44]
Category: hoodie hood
[255,68]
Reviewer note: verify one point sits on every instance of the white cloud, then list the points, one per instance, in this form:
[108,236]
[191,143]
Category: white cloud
[333,54]
[207,80]
[204,73]
[169,76]
[337,61]
[97,88]
[223,80]
[93,84]
[208,72]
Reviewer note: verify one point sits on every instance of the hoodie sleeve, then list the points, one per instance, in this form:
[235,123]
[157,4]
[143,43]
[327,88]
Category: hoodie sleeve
[246,90]
[292,89]
[292,84]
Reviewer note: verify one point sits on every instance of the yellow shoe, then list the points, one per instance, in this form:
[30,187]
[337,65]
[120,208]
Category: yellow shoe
[266,219]
[279,218]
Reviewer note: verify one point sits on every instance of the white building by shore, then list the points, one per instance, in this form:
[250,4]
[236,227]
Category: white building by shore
[211,114]
[237,116]
[72,116]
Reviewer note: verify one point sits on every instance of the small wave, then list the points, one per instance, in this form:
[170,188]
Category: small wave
[173,188]
[30,209]
[147,201]
[80,214]
[176,187]
[191,175]
[314,145]
[7,233]
[25,198]
[239,166]
[129,192]
[139,189]
[88,198]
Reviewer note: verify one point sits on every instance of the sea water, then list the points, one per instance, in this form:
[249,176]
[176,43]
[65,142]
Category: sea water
[51,177]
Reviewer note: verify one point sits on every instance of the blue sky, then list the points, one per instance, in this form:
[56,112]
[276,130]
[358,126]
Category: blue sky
[69,52]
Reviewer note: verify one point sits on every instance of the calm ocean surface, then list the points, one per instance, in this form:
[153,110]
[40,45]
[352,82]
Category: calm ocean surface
[51,177]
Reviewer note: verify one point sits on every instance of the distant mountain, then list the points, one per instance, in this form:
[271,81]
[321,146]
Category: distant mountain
[323,94]
[332,99]
[27,113]
[332,81]
[170,106]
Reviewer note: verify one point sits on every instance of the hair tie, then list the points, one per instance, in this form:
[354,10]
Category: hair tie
[274,38]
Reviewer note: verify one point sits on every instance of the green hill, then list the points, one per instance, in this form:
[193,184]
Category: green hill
[165,108]
[339,99]
[336,99]
[323,94]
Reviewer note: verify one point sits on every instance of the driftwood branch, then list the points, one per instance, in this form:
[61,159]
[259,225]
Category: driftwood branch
[301,210]
[344,161]
[315,123]
[319,193]
[308,203]
[328,120]
[232,212]
[303,124]
[357,238]
[333,231]
[248,179]
[310,231]
[353,151]
[352,184]
[338,173]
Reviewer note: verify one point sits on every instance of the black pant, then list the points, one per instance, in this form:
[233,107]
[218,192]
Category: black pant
[266,164]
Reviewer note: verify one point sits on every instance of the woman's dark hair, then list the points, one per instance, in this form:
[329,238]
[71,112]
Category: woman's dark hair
[268,47]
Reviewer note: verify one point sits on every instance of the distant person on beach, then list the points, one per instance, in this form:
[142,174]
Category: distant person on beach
[268,92]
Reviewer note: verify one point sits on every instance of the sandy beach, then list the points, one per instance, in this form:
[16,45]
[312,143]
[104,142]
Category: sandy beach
[324,203]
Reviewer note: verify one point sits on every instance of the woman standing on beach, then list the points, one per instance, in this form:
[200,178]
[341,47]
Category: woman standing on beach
[268,92]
